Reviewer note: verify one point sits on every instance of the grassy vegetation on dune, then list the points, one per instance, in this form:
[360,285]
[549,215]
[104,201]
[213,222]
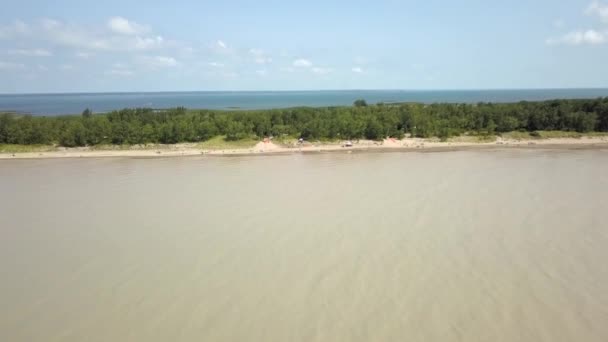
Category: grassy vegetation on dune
[517,135]
[472,139]
[13,148]
[560,134]
[220,143]
[569,134]
[596,134]
[215,143]
[124,147]
[285,140]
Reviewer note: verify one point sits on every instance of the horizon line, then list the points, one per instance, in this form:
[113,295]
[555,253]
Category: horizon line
[294,90]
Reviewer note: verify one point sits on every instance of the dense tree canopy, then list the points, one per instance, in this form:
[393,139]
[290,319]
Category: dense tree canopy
[360,103]
[143,125]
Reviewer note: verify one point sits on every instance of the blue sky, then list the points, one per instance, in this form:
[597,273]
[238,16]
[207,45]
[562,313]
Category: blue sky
[90,46]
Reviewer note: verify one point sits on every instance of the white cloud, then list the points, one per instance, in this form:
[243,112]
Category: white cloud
[166,61]
[60,34]
[83,38]
[261,72]
[7,66]
[67,67]
[591,37]
[216,65]
[260,57]
[287,69]
[160,62]
[31,52]
[42,67]
[302,63]
[599,9]
[148,43]
[322,71]
[357,70]
[221,48]
[121,25]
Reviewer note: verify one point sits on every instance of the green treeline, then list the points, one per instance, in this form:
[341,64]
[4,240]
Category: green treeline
[142,125]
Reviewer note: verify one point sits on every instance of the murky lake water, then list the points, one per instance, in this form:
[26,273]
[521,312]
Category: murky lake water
[460,246]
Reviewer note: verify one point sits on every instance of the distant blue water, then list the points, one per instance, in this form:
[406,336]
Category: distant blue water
[54,104]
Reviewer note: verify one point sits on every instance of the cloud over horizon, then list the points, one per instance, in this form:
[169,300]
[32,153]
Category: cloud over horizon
[590,36]
[123,26]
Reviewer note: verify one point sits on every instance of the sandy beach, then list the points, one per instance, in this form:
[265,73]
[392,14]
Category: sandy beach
[269,147]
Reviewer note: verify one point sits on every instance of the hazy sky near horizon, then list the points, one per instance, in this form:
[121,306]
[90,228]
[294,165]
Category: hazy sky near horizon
[88,46]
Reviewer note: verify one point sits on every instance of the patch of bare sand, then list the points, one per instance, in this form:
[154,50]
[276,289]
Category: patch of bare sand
[391,142]
[266,145]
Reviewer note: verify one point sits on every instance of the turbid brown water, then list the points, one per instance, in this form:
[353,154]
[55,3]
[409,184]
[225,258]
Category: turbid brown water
[459,246]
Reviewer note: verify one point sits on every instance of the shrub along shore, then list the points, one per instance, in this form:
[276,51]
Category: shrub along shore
[360,121]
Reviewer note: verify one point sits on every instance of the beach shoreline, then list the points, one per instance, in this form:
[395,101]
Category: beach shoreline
[270,148]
